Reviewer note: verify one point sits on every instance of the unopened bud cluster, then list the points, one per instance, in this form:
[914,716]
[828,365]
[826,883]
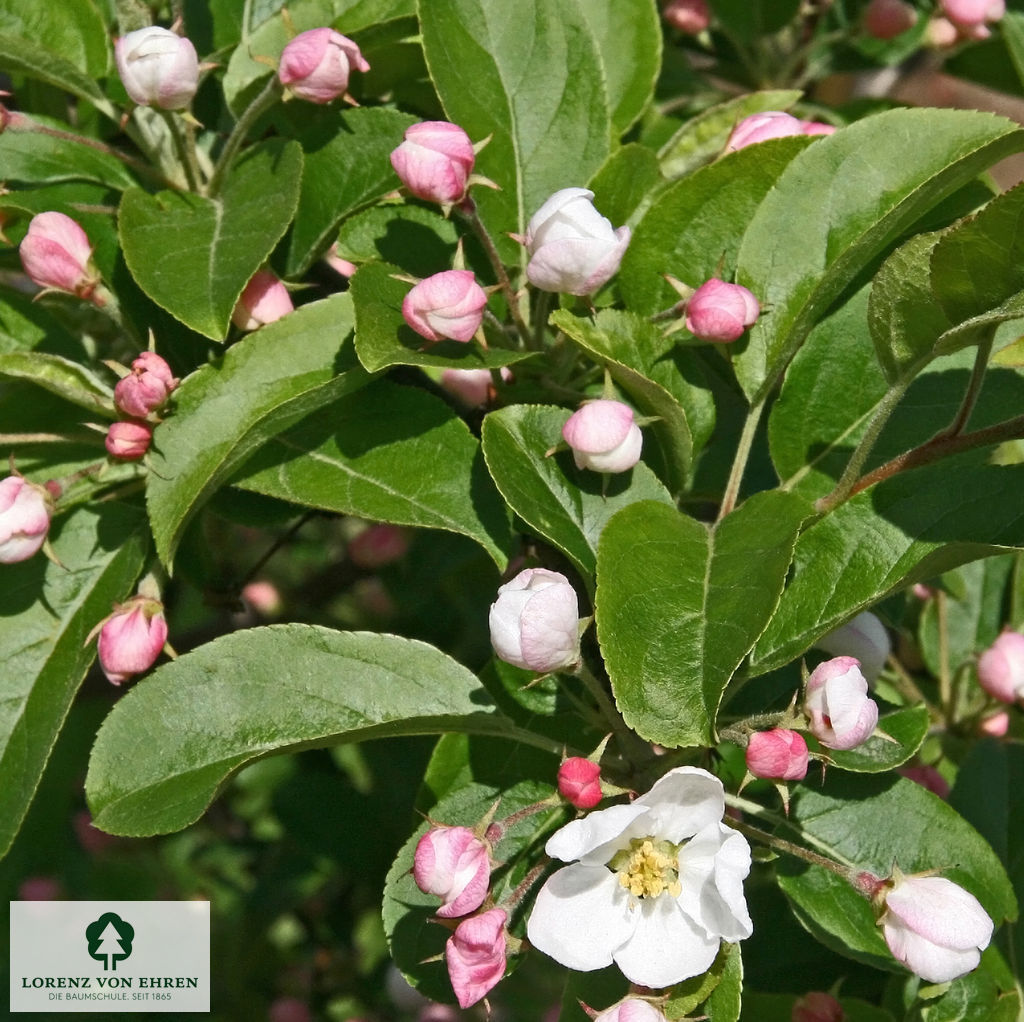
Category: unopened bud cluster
[139,396]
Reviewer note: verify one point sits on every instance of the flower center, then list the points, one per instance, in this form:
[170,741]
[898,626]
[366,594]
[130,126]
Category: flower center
[648,867]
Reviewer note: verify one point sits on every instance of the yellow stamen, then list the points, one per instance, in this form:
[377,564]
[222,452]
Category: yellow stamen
[648,869]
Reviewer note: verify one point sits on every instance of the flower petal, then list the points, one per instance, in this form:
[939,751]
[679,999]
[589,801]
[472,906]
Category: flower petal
[589,838]
[581,917]
[712,868]
[665,946]
[925,959]
[682,802]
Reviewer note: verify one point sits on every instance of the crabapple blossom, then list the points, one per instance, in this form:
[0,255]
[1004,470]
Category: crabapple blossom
[761,127]
[25,512]
[1001,667]
[654,886]
[454,864]
[316,65]
[689,16]
[56,253]
[534,621]
[778,754]
[603,436]
[579,782]
[818,1006]
[264,300]
[933,926]
[719,311]
[475,955]
[972,14]
[817,128]
[449,304]
[158,67]
[128,440]
[632,1009]
[886,19]
[996,725]
[434,161]
[863,637]
[131,638]
[572,248]
[473,386]
[842,714]
[146,387]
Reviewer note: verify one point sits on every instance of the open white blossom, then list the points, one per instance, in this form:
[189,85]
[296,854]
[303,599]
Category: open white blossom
[654,886]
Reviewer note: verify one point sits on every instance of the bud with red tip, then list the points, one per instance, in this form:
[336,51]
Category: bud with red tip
[264,300]
[316,65]
[435,161]
[132,637]
[603,436]
[971,15]
[475,955]
[448,305]
[1001,668]
[689,16]
[818,1006]
[720,312]
[25,513]
[886,19]
[158,67]
[128,440]
[146,388]
[579,782]
[779,755]
[841,714]
[378,545]
[454,864]
[56,254]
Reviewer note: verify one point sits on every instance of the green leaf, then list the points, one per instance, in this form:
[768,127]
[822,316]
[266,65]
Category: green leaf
[63,377]
[193,256]
[46,612]
[686,996]
[74,29]
[716,205]
[703,137]
[1011,28]
[625,181]
[384,339]
[266,383]
[746,20]
[413,238]
[20,55]
[904,530]
[680,604]
[839,205]
[392,454]
[568,506]
[26,325]
[531,77]
[629,40]
[34,157]
[870,822]
[657,376]
[262,691]
[908,728]
[725,1002]
[346,165]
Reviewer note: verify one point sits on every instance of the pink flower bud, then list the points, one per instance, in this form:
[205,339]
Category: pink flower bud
[579,782]
[572,248]
[841,713]
[972,13]
[454,864]
[603,436]
[289,1009]
[40,888]
[146,388]
[720,312]
[534,622]
[25,512]
[475,956]
[817,128]
[761,127]
[886,19]
[934,927]
[343,267]
[928,777]
[689,16]
[863,637]
[264,300]
[448,305]
[632,1009]
[435,161]
[131,638]
[56,253]
[157,67]
[941,33]
[473,386]
[378,545]
[316,64]
[818,1006]
[997,725]
[128,440]
[778,754]
[1001,668]
[263,597]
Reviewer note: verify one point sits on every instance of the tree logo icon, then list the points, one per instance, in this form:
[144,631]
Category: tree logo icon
[110,940]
